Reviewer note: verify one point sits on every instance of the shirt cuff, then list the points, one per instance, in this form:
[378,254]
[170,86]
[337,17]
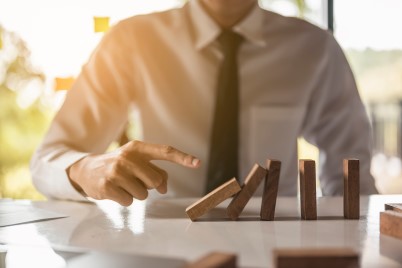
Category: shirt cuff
[54,181]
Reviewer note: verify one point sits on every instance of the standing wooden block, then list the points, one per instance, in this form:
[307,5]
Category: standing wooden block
[308,197]
[351,188]
[391,223]
[315,258]
[216,260]
[270,190]
[394,207]
[251,183]
[213,199]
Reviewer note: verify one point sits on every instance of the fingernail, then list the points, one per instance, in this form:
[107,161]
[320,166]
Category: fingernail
[195,162]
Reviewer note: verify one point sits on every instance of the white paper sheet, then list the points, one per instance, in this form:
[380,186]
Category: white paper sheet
[107,260]
[12,214]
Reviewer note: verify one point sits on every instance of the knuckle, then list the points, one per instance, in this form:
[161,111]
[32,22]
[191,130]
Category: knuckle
[164,174]
[122,156]
[135,144]
[104,186]
[115,169]
[167,149]
[156,182]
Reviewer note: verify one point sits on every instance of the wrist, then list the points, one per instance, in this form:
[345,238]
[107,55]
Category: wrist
[74,173]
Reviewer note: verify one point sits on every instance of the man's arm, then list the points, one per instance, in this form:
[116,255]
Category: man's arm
[71,163]
[337,122]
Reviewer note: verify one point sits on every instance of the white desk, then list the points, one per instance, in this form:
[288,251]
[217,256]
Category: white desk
[160,227]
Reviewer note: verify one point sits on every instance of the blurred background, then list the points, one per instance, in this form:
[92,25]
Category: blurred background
[44,43]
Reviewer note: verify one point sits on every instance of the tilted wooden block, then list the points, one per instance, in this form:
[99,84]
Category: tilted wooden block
[394,207]
[308,196]
[315,258]
[270,192]
[251,183]
[213,199]
[391,223]
[216,260]
[351,188]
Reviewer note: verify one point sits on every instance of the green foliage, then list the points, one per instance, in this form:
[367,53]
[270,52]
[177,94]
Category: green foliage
[21,128]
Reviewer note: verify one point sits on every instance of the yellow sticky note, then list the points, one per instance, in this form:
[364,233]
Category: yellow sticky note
[1,39]
[63,83]
[101,24]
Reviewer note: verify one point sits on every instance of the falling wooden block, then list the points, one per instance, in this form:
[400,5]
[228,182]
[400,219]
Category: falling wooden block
[351,189]
[216,260]
[394,207]
[251,183]
[391,223]
[270,192]
[308,197]
[315,258]
[213,199]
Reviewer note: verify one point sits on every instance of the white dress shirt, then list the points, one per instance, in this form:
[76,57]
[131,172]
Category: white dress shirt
[294,81]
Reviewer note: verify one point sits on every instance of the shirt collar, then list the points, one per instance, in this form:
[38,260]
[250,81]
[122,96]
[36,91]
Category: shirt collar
[207,30]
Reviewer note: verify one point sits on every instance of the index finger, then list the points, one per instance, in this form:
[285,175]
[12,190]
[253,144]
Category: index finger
[167,153]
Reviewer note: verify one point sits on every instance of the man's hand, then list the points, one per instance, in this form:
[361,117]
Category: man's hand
[126,173]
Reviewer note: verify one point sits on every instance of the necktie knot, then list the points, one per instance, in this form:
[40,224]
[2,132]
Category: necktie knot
[230,41]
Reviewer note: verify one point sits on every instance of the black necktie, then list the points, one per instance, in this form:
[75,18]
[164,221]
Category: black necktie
[223,156]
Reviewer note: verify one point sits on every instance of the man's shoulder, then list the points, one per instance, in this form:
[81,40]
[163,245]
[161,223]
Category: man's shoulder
[171,18]
[292,26]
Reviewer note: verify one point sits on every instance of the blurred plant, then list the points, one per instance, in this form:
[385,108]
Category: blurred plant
[22,117]
[301,6]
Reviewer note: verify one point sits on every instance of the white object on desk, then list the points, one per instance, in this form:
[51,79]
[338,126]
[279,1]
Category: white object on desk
[107,260]
[12,213]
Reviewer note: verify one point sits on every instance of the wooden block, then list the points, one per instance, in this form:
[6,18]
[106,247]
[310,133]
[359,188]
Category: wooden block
[213,199]
[351,189]
[308,197]
[394,207]
[216,260]
[270,192]
[391,223]
[251,183]
[315,258]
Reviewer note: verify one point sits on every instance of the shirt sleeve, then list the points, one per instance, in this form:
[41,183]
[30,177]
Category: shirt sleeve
[94,113]
[337,123]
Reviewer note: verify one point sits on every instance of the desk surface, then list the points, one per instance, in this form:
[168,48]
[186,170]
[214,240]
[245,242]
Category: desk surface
[160,227]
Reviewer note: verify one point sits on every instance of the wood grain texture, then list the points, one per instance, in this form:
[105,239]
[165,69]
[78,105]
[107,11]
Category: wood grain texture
[351,188]
[215,260]
[308,196]
[213,199]
[395,207]
[270,192]
[315,258]
[391,223]
[254,178]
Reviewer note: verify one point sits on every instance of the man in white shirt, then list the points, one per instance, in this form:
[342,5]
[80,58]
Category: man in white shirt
[293,81]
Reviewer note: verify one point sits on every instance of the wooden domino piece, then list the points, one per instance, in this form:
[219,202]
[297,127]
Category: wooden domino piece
[215,260]
[315,258]
[391,223]
[394,207]
[351,189]
[251,183]
[270,192]
[213,199]
[308,196]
